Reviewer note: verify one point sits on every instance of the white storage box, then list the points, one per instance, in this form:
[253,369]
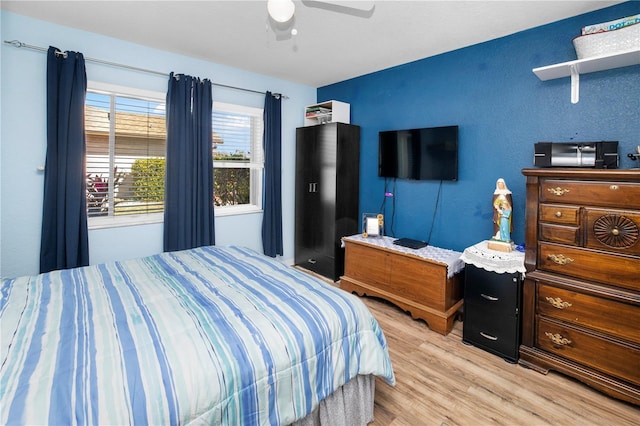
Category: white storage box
[608,42]
[611,25]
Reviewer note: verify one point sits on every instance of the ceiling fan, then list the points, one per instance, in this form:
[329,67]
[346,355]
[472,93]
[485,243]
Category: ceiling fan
[282,19]
[282,11]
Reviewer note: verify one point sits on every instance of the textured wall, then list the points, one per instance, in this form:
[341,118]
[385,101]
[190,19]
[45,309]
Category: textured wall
[502,109]
[23,135]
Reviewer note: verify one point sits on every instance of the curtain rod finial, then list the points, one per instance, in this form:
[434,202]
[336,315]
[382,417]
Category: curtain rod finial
[14,43]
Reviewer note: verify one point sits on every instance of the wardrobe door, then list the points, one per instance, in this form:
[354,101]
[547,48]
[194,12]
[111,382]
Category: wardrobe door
[327,152]
[347,213]
[308,232]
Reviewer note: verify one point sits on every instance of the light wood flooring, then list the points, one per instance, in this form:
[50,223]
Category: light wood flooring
[442,381]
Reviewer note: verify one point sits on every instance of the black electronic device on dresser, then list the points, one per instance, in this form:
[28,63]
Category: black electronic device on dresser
[492,305]
[327,195]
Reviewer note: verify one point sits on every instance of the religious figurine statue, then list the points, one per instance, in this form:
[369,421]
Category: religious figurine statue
[502,208]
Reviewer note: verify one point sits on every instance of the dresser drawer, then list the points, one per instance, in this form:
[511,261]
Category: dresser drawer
[616,270]
[613,230]
[556,213]
[609,356]
[494,292]
[605,315]
[496,333]
[597,193]
[560,234]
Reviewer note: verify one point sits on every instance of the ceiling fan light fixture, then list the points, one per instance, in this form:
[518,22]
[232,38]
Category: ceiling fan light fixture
[281,10]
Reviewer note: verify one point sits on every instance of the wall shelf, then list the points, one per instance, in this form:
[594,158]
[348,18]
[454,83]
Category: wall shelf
[327,112]
[573,69]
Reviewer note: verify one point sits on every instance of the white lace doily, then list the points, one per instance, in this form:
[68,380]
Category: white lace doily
[450,258]
[492,260]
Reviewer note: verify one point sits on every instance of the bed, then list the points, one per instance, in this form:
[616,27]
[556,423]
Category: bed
[213,335]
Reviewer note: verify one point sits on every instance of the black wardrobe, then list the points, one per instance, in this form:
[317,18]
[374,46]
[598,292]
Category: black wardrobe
[327,187]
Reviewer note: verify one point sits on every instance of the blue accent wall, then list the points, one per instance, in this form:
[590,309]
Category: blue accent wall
[502,108]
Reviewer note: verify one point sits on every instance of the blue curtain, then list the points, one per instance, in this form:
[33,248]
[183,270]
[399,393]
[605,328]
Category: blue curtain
[188,211]
[64,239]
[272,203]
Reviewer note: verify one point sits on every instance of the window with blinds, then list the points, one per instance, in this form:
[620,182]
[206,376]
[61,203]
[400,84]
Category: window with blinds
[126,140]
[237,155]
[125,161]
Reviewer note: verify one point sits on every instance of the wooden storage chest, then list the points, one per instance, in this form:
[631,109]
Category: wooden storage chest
[416,283]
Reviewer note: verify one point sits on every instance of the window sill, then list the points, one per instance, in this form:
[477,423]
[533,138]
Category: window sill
[125,220]
[148,219]
[236,210]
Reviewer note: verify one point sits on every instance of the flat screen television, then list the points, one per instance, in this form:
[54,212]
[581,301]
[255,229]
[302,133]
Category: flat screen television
[419,154]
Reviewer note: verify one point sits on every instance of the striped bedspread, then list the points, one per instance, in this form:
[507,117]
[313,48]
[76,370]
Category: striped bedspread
[205,336]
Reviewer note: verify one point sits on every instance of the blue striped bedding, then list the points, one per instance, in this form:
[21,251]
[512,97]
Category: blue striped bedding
[214,335]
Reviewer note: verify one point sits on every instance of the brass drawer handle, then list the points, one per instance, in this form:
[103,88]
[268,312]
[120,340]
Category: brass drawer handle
[558,214]
[558,191]
[558,303]
[614,187]
[560,259]
[557,339]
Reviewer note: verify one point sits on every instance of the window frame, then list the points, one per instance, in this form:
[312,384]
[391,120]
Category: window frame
[256,167]
[101,222]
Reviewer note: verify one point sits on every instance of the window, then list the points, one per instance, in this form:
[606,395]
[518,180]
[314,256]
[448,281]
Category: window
[126,145]
[126,139]
[238,158]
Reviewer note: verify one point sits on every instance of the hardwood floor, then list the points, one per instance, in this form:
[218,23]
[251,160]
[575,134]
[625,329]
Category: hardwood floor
[442,381]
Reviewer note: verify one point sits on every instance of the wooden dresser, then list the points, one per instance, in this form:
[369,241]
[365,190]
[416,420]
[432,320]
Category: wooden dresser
[581,294]
[426,282]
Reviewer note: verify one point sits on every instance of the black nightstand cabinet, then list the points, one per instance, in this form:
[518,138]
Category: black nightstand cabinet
[492,305]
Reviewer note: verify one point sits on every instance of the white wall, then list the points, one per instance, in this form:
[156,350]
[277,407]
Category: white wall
[23,137]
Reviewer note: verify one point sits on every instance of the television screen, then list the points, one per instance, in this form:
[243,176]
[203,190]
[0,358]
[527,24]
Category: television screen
[419,154]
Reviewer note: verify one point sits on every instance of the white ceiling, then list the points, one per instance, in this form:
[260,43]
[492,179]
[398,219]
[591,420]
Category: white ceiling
[330,46]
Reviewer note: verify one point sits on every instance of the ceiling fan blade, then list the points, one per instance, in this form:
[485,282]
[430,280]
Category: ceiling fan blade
[359,8]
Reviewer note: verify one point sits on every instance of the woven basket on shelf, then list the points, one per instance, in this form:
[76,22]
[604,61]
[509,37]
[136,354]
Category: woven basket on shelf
[608,42]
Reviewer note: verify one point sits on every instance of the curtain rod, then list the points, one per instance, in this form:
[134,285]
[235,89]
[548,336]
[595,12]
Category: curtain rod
[19,44]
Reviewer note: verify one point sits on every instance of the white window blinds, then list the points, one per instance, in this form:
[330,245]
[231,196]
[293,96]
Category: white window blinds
[126,140]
